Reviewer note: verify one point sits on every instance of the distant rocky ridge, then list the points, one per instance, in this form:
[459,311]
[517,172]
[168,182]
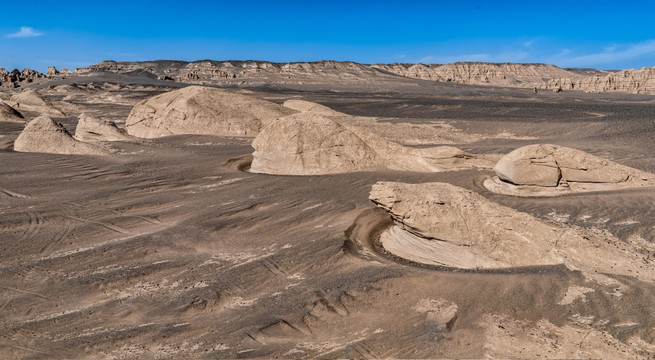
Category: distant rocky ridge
[240,72]
[537,76]
[207,71]
[14,78]
[505,74]
[633,81]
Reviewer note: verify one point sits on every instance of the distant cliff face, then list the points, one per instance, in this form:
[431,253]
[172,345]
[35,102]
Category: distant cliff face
[239,72]
[515,75]
[633,81]
[541,76]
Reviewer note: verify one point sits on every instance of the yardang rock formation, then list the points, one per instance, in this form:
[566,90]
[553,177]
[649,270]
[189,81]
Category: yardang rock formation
[641,81]
[321,141]
[31,100]
[8,113]
[547,170]
[47,136]
[202,111]
[90,128]
[542,76]
[440,224]
[479,73]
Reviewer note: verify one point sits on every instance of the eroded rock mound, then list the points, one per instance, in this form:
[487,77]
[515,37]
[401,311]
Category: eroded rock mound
[444,225]
[310,144]
[90,128]
[31,100]
[544,169]
[314,143]
[8,113]
[202,111]
[47,136]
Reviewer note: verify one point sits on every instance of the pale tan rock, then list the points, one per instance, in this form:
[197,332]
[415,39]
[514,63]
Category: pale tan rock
[467,231]
[508,338]
[310,144]
[244,72]
[303,106]
[52,71]
[44,135]
[480,73]
[90,128]
[203,111]
[445,225]
[31,100]
[641,81]
[9,114]
[529,165]
[314,143]
[547,170]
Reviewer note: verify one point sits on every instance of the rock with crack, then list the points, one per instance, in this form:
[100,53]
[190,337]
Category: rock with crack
[90,128]
[44,135]
[202,111]
[9,114]
[326,142]
[547,170]
[440,224]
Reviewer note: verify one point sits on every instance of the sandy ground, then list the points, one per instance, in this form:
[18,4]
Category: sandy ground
[169,249]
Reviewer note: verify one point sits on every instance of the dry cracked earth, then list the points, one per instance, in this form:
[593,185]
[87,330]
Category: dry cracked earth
[170,248]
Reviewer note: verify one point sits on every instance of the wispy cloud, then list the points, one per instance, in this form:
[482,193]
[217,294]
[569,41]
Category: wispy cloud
[25,32]
[612,54]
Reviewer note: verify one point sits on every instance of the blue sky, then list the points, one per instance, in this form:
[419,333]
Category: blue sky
[70,34]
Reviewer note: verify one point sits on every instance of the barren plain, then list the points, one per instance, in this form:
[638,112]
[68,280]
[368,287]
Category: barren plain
[169,247]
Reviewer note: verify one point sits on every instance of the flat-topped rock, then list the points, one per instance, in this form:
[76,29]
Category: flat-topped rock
[44,135]
[202,111]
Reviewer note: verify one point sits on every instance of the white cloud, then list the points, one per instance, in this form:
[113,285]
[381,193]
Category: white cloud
[25,32]
[612,54]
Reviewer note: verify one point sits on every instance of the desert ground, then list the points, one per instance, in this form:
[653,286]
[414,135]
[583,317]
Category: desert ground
[171,247]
